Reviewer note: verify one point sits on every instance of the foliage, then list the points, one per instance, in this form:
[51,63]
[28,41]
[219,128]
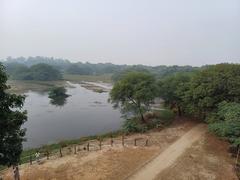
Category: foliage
[133,93]
[211,94]
[58,96]
[44,72]
[30,61]
[57,91]
[77,69]
[41,72]
[121,73]
[11,120]
[134,125]
[227,121]
[95,69]
[211,86]
[171,88]
[154,119]
[165,115]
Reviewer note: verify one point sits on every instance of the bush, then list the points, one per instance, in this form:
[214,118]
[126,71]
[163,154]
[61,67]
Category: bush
[153,120]
[165,116]
[57,92]
[225,122]
[134,125]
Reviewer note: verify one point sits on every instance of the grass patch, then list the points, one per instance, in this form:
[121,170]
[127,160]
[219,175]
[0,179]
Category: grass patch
[91,78]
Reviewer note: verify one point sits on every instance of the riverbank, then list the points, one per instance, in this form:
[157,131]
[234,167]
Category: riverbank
[165,117]
[201,161]
[51,148]
[98,85]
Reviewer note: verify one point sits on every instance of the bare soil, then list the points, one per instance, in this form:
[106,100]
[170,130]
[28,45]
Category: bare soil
[169,156]
[207,159]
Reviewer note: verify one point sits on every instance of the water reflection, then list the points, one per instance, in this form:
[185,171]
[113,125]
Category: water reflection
[83,113]
[58,101]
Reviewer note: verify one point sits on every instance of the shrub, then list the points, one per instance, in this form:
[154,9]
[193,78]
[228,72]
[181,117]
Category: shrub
[134,125]
[225,122]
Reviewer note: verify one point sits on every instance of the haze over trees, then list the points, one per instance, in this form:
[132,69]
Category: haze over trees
[11,120]
[20,64]
[40,72]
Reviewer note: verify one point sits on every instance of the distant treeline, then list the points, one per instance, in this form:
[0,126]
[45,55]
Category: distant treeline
[40,72]
[29,68]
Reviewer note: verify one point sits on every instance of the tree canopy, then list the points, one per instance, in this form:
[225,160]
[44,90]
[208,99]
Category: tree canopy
[40,72]
[210,87]
[134,92]
[211,94]
[58,96]
[171,88]
[11,120]
[225,121]
[87,68]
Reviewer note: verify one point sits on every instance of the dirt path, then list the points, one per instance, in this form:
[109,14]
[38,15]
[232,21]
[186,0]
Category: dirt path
[170,155]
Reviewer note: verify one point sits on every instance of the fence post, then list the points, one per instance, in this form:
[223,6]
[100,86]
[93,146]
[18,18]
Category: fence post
[47,153]
[123,140]
[236,163]
[88,147]
[135,142]
[111,140]
[30,160]
[146,144]
[100,144]
[75,149]
[60,150]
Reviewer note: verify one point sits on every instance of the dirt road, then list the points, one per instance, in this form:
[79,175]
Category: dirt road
[170,155]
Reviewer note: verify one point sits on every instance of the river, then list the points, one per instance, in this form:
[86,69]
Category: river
[84,113]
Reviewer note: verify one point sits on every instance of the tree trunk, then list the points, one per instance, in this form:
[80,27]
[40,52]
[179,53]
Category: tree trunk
[179,111]
[143,120]
[141,114]
[16,173]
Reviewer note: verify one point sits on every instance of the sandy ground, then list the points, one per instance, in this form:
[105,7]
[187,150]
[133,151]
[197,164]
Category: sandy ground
[119,162]
[207,159]
[169,156]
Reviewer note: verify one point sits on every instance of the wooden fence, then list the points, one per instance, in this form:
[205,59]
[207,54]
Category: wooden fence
[92,145]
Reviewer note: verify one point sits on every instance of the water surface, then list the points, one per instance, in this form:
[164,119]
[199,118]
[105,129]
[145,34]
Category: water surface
[85,113]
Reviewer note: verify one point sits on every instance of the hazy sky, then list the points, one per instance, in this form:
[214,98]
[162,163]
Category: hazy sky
[151,32]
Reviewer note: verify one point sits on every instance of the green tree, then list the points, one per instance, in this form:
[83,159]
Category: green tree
[134,92]
[171,89]
[211,86]
[44,72]
[58,96]
[11,120]
[225,122]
